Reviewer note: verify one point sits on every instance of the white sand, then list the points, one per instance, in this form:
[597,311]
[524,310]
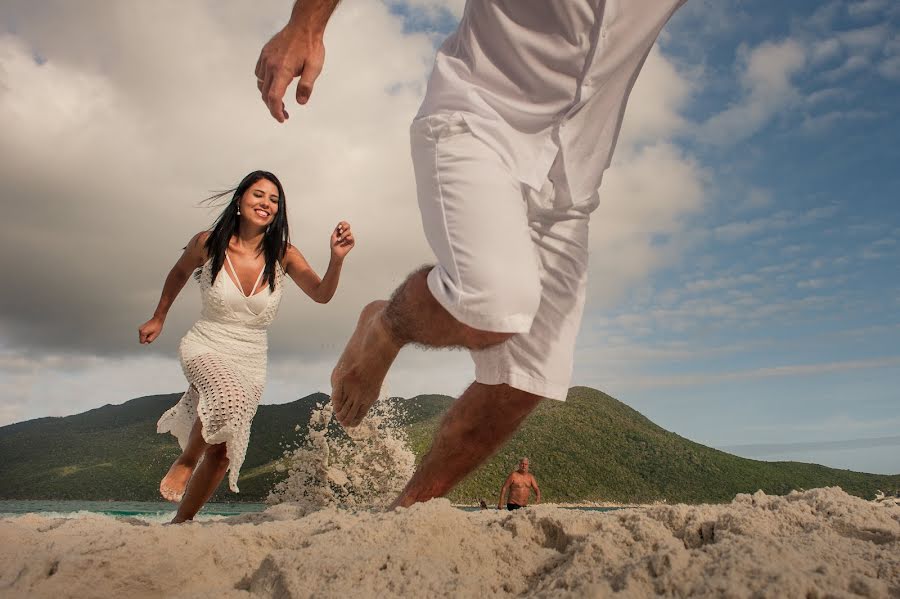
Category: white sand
[819,543]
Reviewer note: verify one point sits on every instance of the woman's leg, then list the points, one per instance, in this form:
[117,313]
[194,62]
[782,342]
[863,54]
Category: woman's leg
[203,483]
[176,479]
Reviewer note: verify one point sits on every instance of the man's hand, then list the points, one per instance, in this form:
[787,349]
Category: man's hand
[295,51]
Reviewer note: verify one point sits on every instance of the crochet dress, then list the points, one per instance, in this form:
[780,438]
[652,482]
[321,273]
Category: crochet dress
[223,357]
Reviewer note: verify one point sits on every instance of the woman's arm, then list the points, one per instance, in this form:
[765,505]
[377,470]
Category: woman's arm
[320,290]
[193,257]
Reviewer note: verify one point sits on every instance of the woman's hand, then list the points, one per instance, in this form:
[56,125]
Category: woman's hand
[342,239]
[150,330]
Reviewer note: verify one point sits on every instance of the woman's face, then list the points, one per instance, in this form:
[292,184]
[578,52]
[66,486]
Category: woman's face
[259,204]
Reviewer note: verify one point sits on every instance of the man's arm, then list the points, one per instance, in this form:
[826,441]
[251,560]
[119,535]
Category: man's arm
[537,489]
[503,491]
[295,51]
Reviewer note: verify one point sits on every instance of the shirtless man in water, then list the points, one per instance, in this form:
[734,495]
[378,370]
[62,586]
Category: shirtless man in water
[519,484]
[518,124]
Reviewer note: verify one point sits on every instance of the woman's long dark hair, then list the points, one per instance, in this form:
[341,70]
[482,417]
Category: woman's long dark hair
[275,240]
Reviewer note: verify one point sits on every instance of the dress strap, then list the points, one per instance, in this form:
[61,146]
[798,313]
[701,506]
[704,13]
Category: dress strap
[238,280]
[258,279]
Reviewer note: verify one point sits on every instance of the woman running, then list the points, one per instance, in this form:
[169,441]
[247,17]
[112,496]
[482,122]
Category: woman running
[240,265]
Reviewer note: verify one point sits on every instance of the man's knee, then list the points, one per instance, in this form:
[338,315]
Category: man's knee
[518,402]
[497,407]
[476,339]
[497,299]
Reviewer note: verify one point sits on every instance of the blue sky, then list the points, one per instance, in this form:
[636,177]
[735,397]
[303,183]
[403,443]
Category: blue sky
[744,282]
[782,316]
[779,321]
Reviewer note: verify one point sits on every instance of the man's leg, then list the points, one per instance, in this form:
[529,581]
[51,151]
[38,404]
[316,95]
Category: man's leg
[472,430]
[538,363]
[412,315]
[486,286]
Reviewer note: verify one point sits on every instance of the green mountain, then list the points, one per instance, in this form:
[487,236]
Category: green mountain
[592,447]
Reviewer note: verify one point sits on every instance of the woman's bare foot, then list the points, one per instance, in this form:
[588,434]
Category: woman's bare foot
[357,378]
[176,479]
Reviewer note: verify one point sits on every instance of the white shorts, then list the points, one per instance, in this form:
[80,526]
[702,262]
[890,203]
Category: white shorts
[509,259]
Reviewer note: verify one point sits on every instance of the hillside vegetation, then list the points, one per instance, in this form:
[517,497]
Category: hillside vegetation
[589,448]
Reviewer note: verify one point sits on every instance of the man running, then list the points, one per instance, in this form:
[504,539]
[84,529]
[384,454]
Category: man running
[519,122]
[519,484]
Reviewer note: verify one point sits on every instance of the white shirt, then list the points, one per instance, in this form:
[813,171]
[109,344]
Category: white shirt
[534,78]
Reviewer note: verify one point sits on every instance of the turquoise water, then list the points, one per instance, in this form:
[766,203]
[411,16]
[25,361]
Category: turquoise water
[562,507]
[151,509]
[155,510]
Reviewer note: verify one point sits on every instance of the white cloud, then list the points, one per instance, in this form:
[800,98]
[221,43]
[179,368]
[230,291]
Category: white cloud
[890,68]
[60,384]
[736,231]
[433,8]
[790,370]
[729,282]
[821,123]
[866,7]
[757,198]
[765,74]
[852,65]
[824,50]
[880,248]
[824,15]
[112,138]
[128,163]
[647,193]
[864,39]
[659,96]
[821,282]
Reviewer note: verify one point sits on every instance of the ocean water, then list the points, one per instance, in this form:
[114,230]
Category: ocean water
[144,510]
[156,511]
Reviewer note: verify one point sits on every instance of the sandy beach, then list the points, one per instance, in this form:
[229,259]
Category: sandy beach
[817,543]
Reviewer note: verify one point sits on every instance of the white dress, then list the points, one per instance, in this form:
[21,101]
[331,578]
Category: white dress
[224,358]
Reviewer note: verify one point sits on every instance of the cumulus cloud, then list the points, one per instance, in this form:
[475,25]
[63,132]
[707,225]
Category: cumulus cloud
[118,118]
[867,8]
[646,198]
[787,370]
[433,8]
[757,198]
[109,156]
[766,77]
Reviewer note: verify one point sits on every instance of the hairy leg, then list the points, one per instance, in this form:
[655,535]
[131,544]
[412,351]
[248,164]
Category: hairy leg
[176,479]
[203,483]
[472,430]
[411,316]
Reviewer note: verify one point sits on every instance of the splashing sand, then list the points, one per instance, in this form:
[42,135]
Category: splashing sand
[366,466]
[818,543]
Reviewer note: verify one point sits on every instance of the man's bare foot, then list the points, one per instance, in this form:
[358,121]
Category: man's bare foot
[176,479]
[357,378]
[402,501]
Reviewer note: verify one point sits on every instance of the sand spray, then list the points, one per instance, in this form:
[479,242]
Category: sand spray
[366,466]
